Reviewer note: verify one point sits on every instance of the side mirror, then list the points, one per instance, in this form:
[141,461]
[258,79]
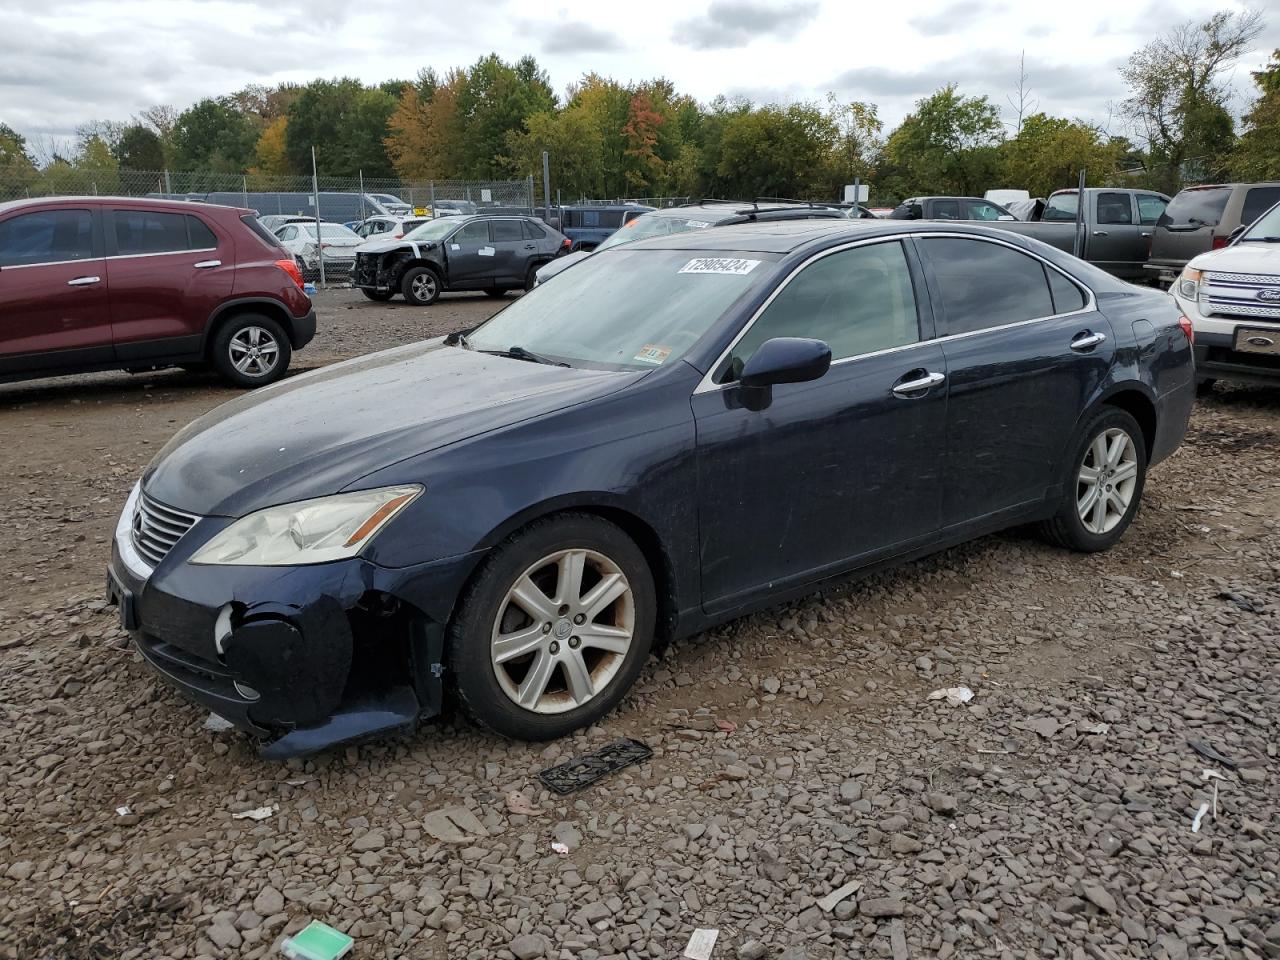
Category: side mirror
[786,360]
[1236,232]
[1006,217]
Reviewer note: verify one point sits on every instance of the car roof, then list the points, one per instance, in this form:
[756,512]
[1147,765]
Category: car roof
[159,203]
[788,236]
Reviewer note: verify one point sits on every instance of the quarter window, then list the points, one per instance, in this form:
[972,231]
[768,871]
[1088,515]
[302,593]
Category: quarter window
[473,234]
[1066,295]
[532,231]
[1114,208]
[857,301]
[50,236]
[1149,208]
[984,285]
[200,237]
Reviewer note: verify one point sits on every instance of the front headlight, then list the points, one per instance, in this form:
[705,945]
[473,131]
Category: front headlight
[311,531]
[1189,284]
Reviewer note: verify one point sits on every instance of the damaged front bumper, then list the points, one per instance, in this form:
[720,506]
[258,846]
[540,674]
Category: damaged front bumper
[302,657]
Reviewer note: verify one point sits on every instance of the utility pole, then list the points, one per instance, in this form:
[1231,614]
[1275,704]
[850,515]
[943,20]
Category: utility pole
[546,181]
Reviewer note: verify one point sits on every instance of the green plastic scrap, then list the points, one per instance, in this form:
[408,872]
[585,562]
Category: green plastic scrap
[317,941]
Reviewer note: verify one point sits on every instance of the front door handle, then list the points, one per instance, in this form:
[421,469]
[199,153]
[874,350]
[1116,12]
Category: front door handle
[1087,340]
[1099,233]
[529,246]
[906,391]
[207,264]
[83,281]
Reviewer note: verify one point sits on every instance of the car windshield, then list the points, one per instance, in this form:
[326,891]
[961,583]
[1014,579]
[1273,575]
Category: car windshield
[1266,227]
[330,231]
[656,225]
[630,310]
[435,229]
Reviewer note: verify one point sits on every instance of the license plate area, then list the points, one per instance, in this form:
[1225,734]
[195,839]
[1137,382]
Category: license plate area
[1250,340]
[125,601]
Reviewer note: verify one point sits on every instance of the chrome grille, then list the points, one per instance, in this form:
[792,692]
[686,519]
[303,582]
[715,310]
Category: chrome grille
[1236,294]
[156,528]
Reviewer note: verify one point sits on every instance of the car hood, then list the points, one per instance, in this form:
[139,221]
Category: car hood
[560,265]
[386,245]
[317,433]
[1241,258]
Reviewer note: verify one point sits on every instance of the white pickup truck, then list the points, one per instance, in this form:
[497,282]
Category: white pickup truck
[1232,297]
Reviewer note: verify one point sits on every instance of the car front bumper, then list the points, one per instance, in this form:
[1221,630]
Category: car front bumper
[302,657]
[1217,359]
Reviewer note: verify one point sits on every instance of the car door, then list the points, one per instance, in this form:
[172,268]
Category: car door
[1025,350]
[510,255]
[469,257]
[53,290]
[837,471]
[168,271]
[1116,243]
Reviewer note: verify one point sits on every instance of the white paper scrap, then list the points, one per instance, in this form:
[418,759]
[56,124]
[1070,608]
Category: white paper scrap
[701,944]
[829,902]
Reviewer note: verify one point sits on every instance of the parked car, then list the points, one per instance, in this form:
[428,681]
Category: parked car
[693,216]
[700,426]
[336,245]
[493,254]
[587,225]
[949,208]
[1232,297]
[274,221]
[101,283]
[1117,227]
[392,205]
[381,227]
[1200,219]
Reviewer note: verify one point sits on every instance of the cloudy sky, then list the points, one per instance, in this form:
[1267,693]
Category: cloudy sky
[65,62]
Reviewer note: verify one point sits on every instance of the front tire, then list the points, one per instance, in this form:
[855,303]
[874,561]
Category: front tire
[554,629]
[379,296]
[251,350]
[420,286]
[1103,484]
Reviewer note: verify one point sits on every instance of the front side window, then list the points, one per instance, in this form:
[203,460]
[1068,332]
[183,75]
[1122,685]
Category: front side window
[1061,207]
[983,284]
[1149,208]
[149,231]
[50,236]
[472,235]
[856,301]
[1114,208]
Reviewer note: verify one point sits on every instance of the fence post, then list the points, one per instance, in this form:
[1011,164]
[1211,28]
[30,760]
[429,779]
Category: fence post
[315,192]
[433,198]
[361,194]
[168,185]
[531,193]
[244,189]
[546,180]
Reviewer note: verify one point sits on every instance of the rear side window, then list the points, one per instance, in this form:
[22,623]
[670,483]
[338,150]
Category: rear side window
[1149,208]
[1114,208]
[199,236]
[507,231]
[1198,207]
[260,231]
[1066,295]
[1257,201]
[857,301]
[148,231]
[50,236]
[532,231]
[985,285]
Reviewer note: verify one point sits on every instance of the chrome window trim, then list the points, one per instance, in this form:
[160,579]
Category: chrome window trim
[114,256]
[707,385]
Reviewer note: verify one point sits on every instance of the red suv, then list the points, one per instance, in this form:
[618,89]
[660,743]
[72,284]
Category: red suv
[100,283]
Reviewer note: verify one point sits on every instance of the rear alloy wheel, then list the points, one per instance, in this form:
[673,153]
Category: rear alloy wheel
[381,296]
[251,351]
[1103,491]
[531,278]
[555,628]
[420,286]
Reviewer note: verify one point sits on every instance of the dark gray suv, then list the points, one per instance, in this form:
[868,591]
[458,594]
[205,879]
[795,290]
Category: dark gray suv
[493,254]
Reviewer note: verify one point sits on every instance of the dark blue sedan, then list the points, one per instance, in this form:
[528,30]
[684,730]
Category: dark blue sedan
[692,428]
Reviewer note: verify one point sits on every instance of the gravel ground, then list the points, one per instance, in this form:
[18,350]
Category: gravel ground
[795,752]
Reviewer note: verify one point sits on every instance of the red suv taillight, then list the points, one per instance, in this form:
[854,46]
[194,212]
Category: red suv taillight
[291,268]
[1188,329]
[566,244]
[1220,242]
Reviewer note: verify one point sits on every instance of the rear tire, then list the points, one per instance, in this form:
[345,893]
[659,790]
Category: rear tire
[1205,387]
[420,286]
[1102,483]
[381,296]
[531,278]
[541,673]
[496,292]
[250,350]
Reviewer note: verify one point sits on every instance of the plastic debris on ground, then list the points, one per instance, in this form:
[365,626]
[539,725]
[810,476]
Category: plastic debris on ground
[594,766]
[1195,824]
[955,696]
[560,848]
[123,811]
[317,941]
[1209,753]
[701,944]
[1093,728]
[217,724]
[257,813]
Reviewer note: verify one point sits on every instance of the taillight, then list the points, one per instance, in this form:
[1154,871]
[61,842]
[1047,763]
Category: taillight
[1220,242]
[1188,329]
[567,243]
[291,268]
[397,236]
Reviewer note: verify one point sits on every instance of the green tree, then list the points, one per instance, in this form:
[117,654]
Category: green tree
[1049,152]
[946,146]
[139,148]
[775,151]
[213,135]
[346,122]
[1257,154]
[859,142]
[425,136]
[17,169]
[496,100]
[1178,94]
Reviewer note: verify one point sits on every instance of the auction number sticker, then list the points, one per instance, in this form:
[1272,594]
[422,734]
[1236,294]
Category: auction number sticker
[651,353]
[733,266]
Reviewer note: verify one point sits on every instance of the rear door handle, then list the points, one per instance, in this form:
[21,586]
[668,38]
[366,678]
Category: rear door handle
[207,264]
[906,390]
[529,246]
[1099,233]
[83,281]
[1087,340]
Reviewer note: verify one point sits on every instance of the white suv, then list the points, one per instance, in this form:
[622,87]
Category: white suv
[1232,297]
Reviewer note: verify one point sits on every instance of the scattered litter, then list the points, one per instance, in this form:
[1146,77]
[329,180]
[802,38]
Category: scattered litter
[317,941]
[560,848]
[1195,824]
[1215,776]
[828,903]
[257,813]
[955,696]
[701,944]
[521,805]
[217,724]
[1209,753]
[1211,775]
[592,767]
[123,811]
[1094,728]
[1242,603]
[454,825]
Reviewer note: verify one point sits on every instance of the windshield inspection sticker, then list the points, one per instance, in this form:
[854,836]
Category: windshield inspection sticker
[734,266]
[650,353]
[694,224]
